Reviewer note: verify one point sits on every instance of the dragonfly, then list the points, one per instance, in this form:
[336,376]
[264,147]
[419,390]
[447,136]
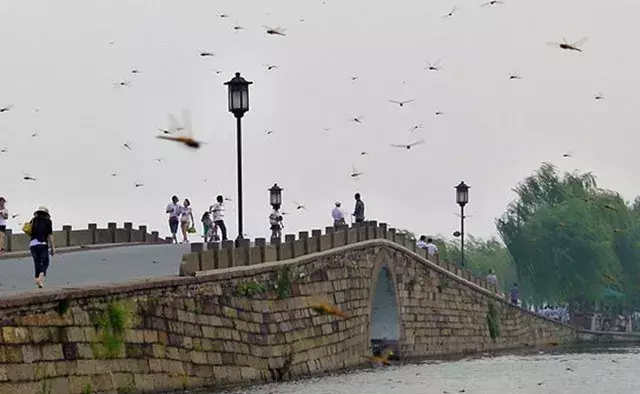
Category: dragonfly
[6,108]
[574,46]
[277,31]
[357,119]
[28,177]
[599,96]
[122,84]
[355,174]
[207,54]
[415,127]
[401,102]
[409,145]
[139,184]
[435,66]
[183,129]
[450,13]
[492,3]
[299,206]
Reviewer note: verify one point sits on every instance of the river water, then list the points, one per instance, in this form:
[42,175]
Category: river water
[593,370]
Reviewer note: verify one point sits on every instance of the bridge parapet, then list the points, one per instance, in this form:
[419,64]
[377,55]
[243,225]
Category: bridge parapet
[216,256]
[91,236]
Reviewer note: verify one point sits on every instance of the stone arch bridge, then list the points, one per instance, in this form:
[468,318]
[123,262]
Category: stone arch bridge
[240,315]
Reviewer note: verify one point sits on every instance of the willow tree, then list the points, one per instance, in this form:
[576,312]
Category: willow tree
[570,240]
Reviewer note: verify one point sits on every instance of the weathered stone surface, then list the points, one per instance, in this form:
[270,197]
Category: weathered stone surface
[231,326]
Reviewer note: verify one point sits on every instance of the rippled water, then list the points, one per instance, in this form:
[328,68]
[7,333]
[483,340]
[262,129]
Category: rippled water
[596,370]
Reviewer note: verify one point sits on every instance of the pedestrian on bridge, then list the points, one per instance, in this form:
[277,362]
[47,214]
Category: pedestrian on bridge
[41,240]
[173,209]
[4,216]
[275,220]
[186,219]
[338,215]
[514,294]
[217,211]
[492,279]
[358,212]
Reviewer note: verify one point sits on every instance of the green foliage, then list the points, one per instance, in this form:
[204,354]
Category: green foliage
[111,324]
[493,321]
[250,289]
[87,389]
[572,241]
[63,306]
[283,283]
[480,257]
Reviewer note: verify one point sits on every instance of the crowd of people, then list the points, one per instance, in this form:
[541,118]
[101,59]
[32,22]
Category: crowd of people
[181,216]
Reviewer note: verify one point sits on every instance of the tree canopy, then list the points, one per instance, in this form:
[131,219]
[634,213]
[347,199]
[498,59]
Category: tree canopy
[572,241]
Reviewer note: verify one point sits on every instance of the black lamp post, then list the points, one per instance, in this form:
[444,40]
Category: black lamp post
[275,196]
[462,198]
[238,105]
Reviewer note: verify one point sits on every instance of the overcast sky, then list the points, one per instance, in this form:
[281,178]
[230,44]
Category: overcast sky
[60,60]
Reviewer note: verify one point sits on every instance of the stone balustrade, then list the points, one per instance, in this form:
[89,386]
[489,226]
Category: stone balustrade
[93,235]
[214,256]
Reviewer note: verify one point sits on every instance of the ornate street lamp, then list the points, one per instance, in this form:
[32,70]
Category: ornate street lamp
[275,196]
[238,105]
[462,198]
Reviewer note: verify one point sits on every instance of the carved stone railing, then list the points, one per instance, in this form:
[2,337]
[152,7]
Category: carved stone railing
[213,256]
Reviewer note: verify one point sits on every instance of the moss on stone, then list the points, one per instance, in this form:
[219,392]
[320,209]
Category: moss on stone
[283,283]
[63,306]
[493,321]
[110,324]
[250,289]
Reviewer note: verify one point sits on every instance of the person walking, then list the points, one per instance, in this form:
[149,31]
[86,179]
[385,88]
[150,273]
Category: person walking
[492,279]
[186,219]
[275,220]
[514,294]
[358,212]
[217,210]
[4,216]
[338,215]
[432,249]
[173,209]
[41,240]
[207,227]
[422,242]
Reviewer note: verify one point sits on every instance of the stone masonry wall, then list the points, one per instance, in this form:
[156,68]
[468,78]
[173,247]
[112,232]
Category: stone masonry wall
[246,324]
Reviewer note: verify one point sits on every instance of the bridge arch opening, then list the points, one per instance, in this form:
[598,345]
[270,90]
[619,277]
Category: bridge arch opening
[385,322]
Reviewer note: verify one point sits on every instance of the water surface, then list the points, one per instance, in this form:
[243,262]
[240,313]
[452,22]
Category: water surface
[594,370]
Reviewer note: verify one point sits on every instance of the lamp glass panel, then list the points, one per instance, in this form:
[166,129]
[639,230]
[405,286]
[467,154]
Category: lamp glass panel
[236,100]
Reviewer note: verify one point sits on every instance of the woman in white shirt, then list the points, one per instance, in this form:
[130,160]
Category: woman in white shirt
[186,218]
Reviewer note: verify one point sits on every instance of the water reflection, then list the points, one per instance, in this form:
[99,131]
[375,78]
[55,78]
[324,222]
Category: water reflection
[592,370]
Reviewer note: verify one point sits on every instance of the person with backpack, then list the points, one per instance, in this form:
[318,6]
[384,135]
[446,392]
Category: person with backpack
[40,229]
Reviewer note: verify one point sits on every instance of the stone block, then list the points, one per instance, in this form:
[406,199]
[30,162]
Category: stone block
[190,264]
[52,352]
[14,335]
[208,259]
[391,234]
[270,253]
[314,241]
[340,237]
[382,231]
[400,239]
[326,242]
[80,237]
[372,229]
[300,247]
[242,255]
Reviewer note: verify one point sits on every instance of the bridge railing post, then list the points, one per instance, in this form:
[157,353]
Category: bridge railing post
[382,231]
[242,255]
[8,234]
[314,241]
[143,233]
[226,254]
[128,228]
[66,230]
[400,238]
[372,229]
[330,232]
[301,246]
[257,251]
[391,235]
[112,231]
